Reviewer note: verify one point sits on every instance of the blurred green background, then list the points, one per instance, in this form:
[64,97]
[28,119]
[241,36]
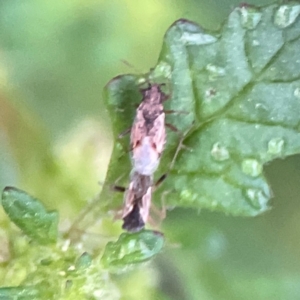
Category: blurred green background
[55,143]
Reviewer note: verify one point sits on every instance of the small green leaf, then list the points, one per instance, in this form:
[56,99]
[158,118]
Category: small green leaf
[241,87]
[19,293]
[30,215]
[132,248]
[84,261]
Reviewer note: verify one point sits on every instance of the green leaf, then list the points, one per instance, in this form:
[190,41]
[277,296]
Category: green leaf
[132,249]
[84,261]
[241,87]
[19,293]
[30,215]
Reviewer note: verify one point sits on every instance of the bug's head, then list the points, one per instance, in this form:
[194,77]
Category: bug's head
[154,93]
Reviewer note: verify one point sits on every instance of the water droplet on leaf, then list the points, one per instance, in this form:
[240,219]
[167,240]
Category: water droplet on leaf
[297,93]
[251,167]
[119,146]
[258,105]
[286,15]
[257,198]
[275,146]
[197,38]
[188,196]
[215,72]
[163,69]
[219,152]
[261,107]
[250,16]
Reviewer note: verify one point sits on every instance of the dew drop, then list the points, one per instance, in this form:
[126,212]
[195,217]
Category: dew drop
[26,216]
[215,72]
[255,43]
[257,198]
[119,146]
[250,16]
[260,106]
[188,196]
[163,69]
[141,81]
[197,38]
[219,152]
[297,93]
[251,167]
[286,15]
[275,146]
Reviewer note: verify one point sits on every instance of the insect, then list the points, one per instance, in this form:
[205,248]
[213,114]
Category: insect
[148,133]
[147,142]
[137,202]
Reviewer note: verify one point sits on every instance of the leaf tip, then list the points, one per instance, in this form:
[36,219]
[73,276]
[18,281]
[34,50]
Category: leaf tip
[114,81]
[183,21]
[186,25]
[8,189]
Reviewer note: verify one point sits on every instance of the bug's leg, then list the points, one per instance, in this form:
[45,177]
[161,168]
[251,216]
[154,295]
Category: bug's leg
[118,188]
[160,213]
[125,132]
[172,127]
[181,146]
[160,181]
[171,111]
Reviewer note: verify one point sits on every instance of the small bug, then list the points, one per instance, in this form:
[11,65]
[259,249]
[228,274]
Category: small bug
[147,142]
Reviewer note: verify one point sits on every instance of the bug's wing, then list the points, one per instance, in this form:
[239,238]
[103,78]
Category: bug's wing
[128,200]
[158,133]
[138,130]
[145,205]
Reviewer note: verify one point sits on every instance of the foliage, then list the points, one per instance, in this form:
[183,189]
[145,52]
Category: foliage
[242,96]
[240,87]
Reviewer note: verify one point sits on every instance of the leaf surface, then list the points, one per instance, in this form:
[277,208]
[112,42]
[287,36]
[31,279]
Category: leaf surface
[241,89]
[30,215]
[133,248]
